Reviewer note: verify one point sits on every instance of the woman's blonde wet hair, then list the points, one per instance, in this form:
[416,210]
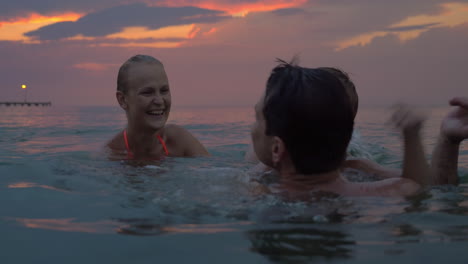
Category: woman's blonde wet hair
[123,71]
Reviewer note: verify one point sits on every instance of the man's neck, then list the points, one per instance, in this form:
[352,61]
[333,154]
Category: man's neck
[308,182]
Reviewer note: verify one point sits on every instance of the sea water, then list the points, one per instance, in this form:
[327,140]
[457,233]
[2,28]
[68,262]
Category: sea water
[63,201]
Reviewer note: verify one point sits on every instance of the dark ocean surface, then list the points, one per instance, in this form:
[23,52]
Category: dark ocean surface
[63,201]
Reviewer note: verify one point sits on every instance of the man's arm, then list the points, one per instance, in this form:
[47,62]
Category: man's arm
[372,168]
[453,130]
[415,165]
[387,187]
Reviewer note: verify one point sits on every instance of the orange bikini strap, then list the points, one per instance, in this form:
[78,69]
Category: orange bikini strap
[163,144]
[129,152]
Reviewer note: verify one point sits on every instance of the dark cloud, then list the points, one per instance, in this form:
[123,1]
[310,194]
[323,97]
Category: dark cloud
[121,42]
[427,70]
[410,28]
[361,16]
[12,9]
[331,22]
[113,20]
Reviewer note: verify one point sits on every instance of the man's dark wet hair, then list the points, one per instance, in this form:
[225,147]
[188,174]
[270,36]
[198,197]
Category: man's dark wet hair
[310,110]
[348,85]
[123,71]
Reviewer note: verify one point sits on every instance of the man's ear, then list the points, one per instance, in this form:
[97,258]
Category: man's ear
[278,150]
[121,99]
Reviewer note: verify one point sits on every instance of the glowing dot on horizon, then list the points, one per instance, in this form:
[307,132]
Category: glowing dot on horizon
[23,86]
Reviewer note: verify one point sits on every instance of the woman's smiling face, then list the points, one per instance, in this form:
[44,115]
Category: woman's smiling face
[148,96]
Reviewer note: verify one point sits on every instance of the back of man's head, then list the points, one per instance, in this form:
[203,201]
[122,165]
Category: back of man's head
[310,110]
[348,85]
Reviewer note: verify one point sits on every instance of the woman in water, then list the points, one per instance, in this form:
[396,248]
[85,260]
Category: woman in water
[143,93]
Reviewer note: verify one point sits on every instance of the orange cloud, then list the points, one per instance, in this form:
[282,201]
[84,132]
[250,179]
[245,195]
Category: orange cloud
[14,30]
[236,9]
[80,37]
[193,33]
[360,40]
[160,44]
[183,31]
[454,14]
[211,31]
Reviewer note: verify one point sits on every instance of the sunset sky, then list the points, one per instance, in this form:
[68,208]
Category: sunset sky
[220,52]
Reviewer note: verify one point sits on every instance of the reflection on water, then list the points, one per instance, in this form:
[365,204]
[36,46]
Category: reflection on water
[69,225]
[150,227]
[407,231]
[132,226]
[34,185]
[300,244]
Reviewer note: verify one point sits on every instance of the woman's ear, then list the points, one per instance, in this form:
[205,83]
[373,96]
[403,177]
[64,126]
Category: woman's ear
[277,150]
[121,99]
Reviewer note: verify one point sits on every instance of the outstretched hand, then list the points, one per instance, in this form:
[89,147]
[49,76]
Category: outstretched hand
[455,125]
[407,120]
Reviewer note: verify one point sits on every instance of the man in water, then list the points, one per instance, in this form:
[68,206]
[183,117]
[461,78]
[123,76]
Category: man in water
[367,166]
[303,126]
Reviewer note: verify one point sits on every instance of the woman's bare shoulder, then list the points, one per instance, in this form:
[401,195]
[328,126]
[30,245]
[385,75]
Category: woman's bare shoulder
[183,142]
[176,133]
[174,130]
[116,142]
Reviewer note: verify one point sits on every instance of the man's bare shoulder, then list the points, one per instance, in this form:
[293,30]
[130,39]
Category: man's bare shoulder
[359,163]
[371,168]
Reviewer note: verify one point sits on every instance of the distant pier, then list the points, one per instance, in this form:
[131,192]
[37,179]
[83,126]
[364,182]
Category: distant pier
[26,103]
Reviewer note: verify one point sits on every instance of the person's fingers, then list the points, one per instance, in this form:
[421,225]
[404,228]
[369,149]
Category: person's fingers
[404,119]
[408,119]
[395,119]
[400,117]
[393,116]
[459,101]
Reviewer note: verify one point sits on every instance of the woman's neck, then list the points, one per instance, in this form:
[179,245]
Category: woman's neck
[141,142]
